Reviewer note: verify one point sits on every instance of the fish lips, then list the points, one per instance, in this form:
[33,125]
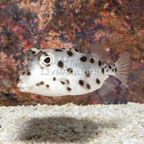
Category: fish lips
[23,87]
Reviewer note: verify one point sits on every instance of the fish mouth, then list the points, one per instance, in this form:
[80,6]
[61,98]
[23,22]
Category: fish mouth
[22,86]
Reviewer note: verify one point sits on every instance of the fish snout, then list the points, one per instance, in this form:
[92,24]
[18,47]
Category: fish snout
[22,86]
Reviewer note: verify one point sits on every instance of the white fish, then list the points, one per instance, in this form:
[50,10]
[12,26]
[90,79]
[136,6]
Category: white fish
[59,72]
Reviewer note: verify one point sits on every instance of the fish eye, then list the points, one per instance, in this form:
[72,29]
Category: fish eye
[45,59]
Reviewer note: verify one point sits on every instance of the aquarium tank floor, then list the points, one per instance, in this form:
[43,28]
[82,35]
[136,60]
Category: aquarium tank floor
[115,25]
[72,124]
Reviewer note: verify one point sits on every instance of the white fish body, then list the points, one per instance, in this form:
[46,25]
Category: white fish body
[59,72]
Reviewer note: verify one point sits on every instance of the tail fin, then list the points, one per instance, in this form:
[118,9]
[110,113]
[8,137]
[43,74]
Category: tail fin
[122,66]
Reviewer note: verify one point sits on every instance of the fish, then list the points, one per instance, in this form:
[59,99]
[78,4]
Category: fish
[67,71]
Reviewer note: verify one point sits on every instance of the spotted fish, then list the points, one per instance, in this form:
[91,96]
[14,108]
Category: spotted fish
[59,72]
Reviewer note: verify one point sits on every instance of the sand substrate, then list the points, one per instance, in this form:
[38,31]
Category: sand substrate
[93,124]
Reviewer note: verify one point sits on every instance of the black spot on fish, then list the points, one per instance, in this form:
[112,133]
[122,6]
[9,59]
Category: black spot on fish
[115,69]
[81,82]
[33,52]
[87,74]
[68,88]
[76,50]
[69,53]
[83,58]
[48,65]
[97,81]
[67,81]
[99,63]
[103,70]
[31,59]
[28,73]
[54,78]
[70,70]
[45,54]
[109,67]
[88,86]
[41,83]
[60,64]
[23,73]
[62,82]
[91,60]
[47,85]
[58,50]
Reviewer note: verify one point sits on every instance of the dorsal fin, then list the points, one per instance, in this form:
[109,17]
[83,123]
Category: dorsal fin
[97,50]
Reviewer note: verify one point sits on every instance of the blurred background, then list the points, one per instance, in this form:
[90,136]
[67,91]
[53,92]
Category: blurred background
[115,25]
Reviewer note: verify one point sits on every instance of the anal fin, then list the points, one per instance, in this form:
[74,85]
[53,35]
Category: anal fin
[107,87]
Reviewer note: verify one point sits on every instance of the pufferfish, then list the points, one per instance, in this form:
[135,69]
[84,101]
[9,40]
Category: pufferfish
[66,71]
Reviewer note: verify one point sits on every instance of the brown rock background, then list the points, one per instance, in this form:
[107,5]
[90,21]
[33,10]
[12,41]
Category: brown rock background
[115,25]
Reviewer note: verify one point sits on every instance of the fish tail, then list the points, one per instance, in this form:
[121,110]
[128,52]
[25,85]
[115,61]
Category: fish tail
[122,67]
